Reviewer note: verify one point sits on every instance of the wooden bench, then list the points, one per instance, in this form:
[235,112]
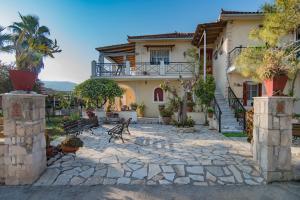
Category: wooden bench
[79,126]
[72,127]
[116,132]
[296,131]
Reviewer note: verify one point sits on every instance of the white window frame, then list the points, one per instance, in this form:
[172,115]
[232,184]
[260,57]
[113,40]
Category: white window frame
[158,54]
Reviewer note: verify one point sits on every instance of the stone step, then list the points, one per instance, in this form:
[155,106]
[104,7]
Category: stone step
[147,120]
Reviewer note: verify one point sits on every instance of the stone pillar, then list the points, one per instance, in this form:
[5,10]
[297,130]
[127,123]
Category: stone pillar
[24,129]
[272,137]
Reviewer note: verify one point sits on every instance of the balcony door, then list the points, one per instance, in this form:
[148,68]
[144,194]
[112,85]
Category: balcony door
[157,55]
[250,90]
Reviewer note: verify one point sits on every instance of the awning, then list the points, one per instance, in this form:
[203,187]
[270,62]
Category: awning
[116,53]
[213,30]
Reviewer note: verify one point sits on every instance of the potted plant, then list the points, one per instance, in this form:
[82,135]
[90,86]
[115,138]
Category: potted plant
[31,45]
[71,144]
[190,105]
[277,58]
[49,148]
[124,107]
[166,115]
[133,106]
[141,109]
[210,112]
[239,112]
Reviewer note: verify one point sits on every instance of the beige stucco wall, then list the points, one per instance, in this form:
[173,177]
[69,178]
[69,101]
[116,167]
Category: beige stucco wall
[235,34]
[176,54]
[143,90]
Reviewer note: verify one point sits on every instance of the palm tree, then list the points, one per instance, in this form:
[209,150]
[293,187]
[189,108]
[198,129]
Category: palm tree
[5,40]
[32,43]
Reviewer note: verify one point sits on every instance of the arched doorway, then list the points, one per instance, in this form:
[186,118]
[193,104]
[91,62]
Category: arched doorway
[127,98]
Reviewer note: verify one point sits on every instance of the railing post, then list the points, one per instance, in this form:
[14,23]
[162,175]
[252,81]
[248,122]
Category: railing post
[93,68]
[127,67]
[162,70]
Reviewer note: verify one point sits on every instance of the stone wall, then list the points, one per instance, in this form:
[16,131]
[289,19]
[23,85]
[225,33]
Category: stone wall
[24,145]
[272,136]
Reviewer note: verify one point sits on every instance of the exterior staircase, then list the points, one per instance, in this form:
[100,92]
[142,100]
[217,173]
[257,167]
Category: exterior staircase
[228,121]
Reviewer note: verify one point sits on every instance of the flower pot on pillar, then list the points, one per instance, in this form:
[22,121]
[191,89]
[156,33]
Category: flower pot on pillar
[22,80]
[276,85]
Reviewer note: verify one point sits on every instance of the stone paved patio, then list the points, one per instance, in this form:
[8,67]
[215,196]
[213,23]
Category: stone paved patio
[156,154]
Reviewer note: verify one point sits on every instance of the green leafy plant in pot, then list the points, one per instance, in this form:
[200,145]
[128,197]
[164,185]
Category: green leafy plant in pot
[210,112]
[166,114]
[31,45]
[71,144]
[141,109]
[133,106]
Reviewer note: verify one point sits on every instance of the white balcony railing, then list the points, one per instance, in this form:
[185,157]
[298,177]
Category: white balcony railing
[142,69]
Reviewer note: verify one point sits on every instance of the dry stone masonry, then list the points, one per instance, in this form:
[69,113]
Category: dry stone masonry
[272,137]
[23,149]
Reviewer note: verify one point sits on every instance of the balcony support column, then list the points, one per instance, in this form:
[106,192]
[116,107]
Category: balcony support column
[93,65]
[162,69]
[127,67]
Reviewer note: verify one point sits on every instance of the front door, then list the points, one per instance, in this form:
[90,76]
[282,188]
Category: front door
[250,90]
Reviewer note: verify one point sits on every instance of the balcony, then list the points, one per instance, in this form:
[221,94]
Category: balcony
[143,70]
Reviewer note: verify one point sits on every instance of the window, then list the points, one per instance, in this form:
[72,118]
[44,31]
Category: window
[158,95]
[157,55]
[252,91]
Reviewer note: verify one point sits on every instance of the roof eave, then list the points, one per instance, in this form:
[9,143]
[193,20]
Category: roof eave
[226,17]
[159,39]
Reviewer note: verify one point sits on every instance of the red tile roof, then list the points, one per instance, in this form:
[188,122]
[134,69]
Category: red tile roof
[163,36]
[230,12]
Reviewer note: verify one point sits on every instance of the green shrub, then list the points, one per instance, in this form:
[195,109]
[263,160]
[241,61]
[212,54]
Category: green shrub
[72,141]
[210,110]
[189,122]
[166,111]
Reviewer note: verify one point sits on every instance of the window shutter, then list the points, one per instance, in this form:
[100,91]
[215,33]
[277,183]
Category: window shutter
[259,89]
[245,89]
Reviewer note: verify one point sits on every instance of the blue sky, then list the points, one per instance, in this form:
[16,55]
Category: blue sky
[82,25]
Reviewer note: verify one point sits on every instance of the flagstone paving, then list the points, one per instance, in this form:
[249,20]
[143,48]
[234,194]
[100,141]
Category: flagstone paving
[155,155]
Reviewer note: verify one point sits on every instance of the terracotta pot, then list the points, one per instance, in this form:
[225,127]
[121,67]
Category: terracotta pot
[22,80]
[67,149]
[275,86]
[166,120]
[189,109]
[50,151]
[210,115]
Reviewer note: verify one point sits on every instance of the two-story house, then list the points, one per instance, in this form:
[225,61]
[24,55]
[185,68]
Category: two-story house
[142,64]
[226,38]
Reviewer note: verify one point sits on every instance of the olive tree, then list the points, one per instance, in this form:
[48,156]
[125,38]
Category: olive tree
[97,92]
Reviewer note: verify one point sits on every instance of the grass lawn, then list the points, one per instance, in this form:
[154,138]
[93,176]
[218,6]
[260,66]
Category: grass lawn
[235,134]
[54,127]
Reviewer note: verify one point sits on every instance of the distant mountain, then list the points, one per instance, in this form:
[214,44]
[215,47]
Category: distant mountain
[60,85]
